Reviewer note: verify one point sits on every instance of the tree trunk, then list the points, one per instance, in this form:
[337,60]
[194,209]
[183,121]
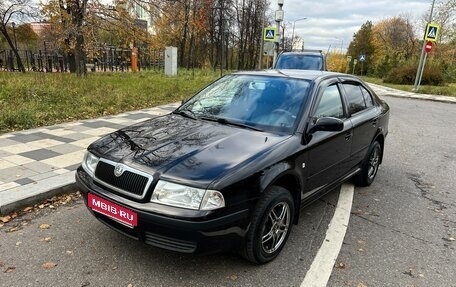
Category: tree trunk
[20,65]
[79,56]
[77,11]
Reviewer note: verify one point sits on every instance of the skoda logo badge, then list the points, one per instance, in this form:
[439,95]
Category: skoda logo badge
[118,170]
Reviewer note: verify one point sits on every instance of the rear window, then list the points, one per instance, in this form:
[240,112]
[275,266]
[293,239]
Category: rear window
[355,98]
[300,62]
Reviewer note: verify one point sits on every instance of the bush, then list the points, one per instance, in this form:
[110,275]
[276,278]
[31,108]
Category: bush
[405,75]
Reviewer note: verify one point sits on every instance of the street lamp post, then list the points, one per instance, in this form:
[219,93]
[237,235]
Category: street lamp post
[292,34]
[278,18]
[341,44]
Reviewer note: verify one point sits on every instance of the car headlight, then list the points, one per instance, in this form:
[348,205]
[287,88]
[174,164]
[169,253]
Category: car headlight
[178,195]
[89,163]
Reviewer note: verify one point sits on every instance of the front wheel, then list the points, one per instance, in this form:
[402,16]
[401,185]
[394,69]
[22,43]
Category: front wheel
[370,165]
[270,226]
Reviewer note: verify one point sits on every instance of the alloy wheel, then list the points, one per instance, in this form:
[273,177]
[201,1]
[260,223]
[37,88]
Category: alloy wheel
[276,227]
[373,163]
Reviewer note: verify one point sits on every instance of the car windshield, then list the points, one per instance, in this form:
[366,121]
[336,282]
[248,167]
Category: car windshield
[301,62]
[259,102]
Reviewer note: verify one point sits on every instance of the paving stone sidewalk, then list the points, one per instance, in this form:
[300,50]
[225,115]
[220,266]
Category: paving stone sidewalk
[39,163]
[386,91]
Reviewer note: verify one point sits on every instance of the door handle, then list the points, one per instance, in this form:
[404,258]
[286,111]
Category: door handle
[348,136]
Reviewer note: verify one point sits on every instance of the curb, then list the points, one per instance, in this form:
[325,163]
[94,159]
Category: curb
[414,97]
[35,199]
[30,194]
[390,92]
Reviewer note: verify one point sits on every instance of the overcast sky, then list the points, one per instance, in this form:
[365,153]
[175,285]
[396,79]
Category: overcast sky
[333,22]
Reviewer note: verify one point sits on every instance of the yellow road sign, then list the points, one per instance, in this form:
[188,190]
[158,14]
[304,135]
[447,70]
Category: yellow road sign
[432,32]
[270,34]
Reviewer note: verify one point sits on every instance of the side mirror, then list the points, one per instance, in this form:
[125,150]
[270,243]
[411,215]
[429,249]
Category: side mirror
[327,124]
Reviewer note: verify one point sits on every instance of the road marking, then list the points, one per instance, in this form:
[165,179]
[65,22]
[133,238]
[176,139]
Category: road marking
[322,266]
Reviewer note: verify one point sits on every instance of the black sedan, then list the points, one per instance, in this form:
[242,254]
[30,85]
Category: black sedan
[232,166]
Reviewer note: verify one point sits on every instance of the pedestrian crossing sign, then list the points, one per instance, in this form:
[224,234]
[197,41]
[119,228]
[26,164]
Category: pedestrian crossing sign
[270,34]
[432,32]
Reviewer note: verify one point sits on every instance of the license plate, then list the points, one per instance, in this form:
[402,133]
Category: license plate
[112,210]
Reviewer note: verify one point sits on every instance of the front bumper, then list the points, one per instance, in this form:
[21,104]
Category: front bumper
[186,235]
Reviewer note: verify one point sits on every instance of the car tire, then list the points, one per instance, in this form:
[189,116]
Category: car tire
[370,165]
[270,226]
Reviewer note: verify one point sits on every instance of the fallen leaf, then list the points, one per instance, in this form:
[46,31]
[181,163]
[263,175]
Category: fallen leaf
[18,243]
[5,219]
[69,252]
[232,277]
[27,209]
[451,239]
[340,265]
[41,206]
[114,268]
[361,250]
[409,273]
[130,285]
[421,275]
[52,207]
[13,229]
[44,226]
[10,269]
[49,265]
[360,284]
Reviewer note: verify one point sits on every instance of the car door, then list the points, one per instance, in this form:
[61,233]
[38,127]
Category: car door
[327,151]
[363,115]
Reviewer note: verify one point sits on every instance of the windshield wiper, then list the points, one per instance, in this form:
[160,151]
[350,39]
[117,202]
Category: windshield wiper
[224,121]
[186,113]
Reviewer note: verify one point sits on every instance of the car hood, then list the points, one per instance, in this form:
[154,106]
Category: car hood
[184,149]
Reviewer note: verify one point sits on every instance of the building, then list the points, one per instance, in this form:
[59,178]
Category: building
[40,27]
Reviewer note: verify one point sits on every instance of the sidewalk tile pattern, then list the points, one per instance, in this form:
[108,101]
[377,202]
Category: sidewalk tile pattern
[29,156]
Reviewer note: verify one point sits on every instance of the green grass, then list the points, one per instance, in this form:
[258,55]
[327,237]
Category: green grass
[37,99]
[447,90]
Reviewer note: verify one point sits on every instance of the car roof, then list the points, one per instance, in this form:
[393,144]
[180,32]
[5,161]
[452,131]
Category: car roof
[313,52]
[311,75]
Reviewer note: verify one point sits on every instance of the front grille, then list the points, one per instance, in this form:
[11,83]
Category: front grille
[131,182]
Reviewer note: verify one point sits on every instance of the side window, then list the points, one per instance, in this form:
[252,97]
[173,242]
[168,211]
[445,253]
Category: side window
[330,104]
[367,97]
[355,98]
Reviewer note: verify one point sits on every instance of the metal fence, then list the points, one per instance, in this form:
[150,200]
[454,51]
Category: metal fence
[107,59]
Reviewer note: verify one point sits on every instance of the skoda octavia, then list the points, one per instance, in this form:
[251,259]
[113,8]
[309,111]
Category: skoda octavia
[232,166]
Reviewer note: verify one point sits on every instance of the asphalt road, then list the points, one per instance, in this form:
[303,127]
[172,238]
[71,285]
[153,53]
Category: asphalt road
[401,227]
[400,231]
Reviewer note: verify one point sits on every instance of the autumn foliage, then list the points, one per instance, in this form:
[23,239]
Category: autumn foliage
[393,47]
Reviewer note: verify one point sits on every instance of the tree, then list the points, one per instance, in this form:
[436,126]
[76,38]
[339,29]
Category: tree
[10,11]
[394,43]
[362,45]
[26,37]
[336,62]
[67,17]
